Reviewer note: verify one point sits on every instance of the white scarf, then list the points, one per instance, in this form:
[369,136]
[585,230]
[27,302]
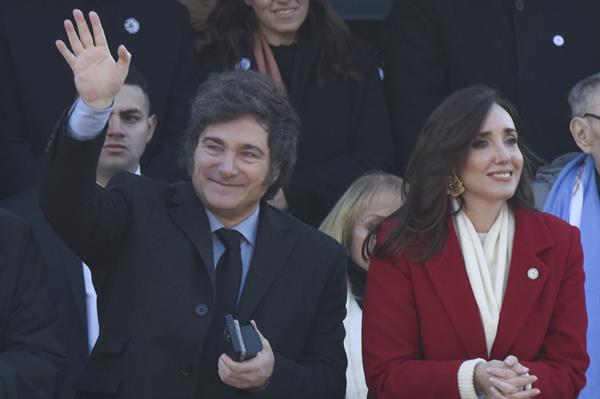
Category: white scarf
[487,262]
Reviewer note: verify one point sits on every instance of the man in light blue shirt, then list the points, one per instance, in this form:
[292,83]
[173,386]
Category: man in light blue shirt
[170,260]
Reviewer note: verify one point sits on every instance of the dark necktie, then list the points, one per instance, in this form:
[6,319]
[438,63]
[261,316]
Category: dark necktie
[228,274]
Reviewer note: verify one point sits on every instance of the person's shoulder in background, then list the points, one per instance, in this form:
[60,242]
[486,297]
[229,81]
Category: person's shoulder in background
[30,355]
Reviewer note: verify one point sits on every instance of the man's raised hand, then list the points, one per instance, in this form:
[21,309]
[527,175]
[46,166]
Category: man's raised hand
[98,78]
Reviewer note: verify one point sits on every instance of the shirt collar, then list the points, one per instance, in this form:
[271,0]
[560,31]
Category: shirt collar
[247,228]
[138,172]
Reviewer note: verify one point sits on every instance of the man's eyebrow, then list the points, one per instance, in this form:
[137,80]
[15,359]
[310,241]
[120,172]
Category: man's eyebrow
[130,111]
[246,146]
[213,139]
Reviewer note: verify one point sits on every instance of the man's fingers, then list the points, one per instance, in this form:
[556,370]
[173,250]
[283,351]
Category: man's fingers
[264,341]
[225,373]
[239,368]
[229,362]
[73,38]
[82,28]
[97,29]
[230,374]
[67,55]
[124,60]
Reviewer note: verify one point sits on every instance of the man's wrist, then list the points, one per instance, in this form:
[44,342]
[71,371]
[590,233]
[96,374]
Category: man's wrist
[85,122]
[101,104]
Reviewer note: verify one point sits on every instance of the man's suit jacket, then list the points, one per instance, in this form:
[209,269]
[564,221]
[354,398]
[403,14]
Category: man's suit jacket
[421,320]
[149,247]
[65,283]
[37,84]
[30,354]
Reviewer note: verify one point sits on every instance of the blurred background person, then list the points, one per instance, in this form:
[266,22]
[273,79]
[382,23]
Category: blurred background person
[366,203]
[31,357]
[332,79]
[574,184]
[130,128]
[199,11]
[472,292]
[532,51]
[35,92]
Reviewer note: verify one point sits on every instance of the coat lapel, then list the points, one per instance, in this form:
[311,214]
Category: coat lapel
[273,246]
[188,213]
[449,279]
[531,239]
[74,271]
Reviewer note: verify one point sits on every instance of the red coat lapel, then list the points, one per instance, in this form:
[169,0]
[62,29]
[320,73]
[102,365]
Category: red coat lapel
[521,294]
[450,281]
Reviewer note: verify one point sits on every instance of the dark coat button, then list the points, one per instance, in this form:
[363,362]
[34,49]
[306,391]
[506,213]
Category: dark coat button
[201,310]
[519,5]
[187,370]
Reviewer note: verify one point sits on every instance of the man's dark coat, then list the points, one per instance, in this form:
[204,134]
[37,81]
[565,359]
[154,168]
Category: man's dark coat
[65,278]
[30,355]
[150,250]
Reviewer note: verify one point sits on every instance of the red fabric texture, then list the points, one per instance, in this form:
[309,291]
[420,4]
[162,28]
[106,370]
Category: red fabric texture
[421,320]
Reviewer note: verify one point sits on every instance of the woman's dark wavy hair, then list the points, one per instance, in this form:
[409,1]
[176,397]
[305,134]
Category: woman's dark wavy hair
[232,23]
[442,147]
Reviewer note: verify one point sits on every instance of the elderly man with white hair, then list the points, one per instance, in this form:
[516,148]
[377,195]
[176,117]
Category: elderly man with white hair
[574,196]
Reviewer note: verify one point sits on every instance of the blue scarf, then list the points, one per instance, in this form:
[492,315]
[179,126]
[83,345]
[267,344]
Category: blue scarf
[558,203]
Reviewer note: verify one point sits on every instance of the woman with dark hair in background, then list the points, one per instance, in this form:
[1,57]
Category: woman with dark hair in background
[333,82]
[366,203]
[471,292]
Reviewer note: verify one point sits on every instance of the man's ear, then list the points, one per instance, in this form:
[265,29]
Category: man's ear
[273,177]
[152,121]
[580,130]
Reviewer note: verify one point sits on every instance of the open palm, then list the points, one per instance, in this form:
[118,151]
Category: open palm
[98,78]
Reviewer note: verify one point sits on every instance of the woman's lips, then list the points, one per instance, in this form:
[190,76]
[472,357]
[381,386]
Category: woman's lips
[502,176]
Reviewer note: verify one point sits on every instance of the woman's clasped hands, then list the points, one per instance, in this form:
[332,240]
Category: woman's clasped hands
[507,379]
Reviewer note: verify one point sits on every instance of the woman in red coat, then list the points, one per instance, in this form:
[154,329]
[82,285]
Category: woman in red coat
[471,292]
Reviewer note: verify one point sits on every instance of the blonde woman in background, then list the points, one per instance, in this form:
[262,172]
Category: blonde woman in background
[369,200]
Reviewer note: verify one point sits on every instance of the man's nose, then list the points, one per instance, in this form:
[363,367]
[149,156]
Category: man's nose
[227,164]
[114,127]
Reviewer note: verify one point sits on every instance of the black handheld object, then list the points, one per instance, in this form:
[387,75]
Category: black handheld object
[243,342]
